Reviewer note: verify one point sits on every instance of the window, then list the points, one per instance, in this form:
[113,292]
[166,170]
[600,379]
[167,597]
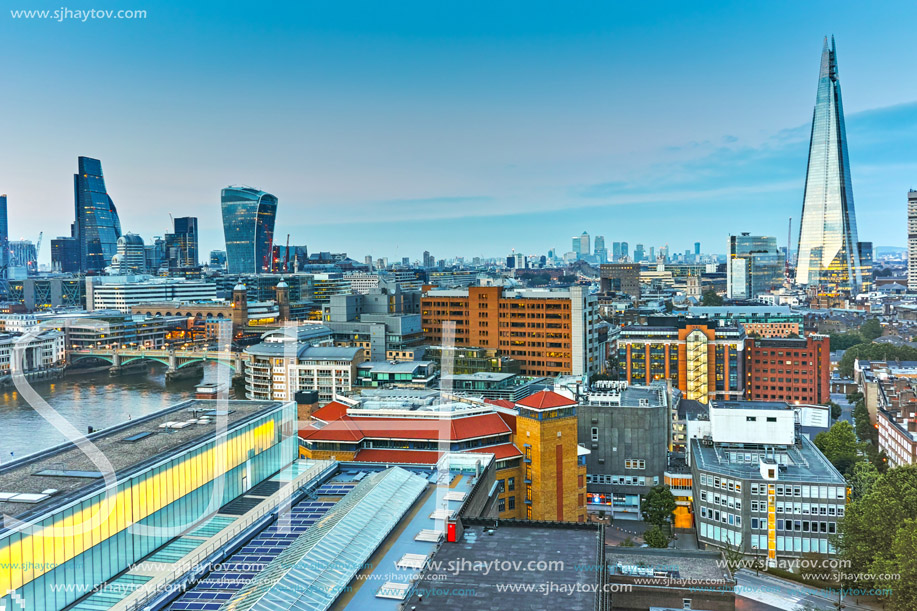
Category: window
[595,434]
[511,483]
[685,603]
[771,419]
[500,486]
[512,502]
[751,418]
[501,505]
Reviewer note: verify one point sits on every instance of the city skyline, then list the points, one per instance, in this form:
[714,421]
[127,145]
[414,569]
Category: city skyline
[478,157]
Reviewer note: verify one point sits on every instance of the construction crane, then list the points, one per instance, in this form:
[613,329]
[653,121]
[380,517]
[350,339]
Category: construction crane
[38,246]
[286,256]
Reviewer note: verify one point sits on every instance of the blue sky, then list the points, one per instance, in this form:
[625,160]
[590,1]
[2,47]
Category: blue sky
[464,128]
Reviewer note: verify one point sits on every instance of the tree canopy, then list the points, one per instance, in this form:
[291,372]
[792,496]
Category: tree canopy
[878,535]
[874,352]
[658,505]
[871,329]
[711,298]
[839,445]
[654,537]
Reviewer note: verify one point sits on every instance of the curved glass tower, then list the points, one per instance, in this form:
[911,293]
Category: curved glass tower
[97,227]
[828,251]
[248,224]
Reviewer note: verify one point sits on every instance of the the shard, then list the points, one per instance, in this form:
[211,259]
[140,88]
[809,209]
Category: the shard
[828,254]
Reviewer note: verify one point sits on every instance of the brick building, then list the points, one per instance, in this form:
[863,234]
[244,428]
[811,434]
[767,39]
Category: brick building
[550,332]
[792,370]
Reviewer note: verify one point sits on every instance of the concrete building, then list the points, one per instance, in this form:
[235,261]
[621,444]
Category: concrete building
[627,434]
[759,486]
[550,332]
[703,360]
[122,292]
[791,369]
[912,240]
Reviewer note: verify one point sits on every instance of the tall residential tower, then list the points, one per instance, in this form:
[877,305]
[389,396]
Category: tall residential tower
[828,254]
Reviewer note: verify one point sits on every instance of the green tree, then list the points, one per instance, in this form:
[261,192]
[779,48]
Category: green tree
[871,329]
[711,298]
[874,352]
[836,410]
[843,341]
[839,445]
[904,550]
[869,533]
[658,505]
[628,542]
[863,479]
[865,431]
[654,537]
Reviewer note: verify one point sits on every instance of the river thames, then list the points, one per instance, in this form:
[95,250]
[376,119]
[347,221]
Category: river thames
[90,399]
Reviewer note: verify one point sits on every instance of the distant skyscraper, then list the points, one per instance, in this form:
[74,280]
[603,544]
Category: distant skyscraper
[181,244]
[828,251]
[97,226]
[4,239]
[581,246]
[624,250]
[428,259]
[217,258]
[601,253]
[23,259]
[639,253]
[912,240]
[652,254]
[65,255]
[131,256]
[754,265]
[615,251]
[248,224]
[697,249]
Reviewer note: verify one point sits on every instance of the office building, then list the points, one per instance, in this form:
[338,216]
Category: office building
[248,226]
[703,360]
[754,265]
[428,260]
[639,253]
[549,332]
[828,254]
[624,250]
[866,261]
[23,259]
[601,253]
[627,435]
[796,370]
[169,470]
[131,256]
[761,487]
[218,258]
[697,249]
[65,255]
[757,320]
[181,244]
[155,255]
[620,278]
[581,245]
[384,322]
[123,292]
[97,226]
[4,238]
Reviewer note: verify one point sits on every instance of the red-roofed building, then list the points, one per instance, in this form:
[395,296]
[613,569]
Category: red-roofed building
[402,435]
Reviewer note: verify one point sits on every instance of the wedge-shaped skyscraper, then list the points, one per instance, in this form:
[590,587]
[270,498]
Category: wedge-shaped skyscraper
[828,251]
[248,224]
[97,226]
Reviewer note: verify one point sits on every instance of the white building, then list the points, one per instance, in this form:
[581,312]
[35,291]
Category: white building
[912,240]
[122,292]
[42,352]
[279,369]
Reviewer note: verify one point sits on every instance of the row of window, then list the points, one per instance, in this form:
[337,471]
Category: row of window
[795,544]
[509,503]
[805,526]
[619,480]
[733,519]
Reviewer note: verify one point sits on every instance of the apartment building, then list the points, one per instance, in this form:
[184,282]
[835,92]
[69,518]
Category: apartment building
[549,332]
[280,369]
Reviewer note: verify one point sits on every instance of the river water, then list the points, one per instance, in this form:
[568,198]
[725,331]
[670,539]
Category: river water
[90,399]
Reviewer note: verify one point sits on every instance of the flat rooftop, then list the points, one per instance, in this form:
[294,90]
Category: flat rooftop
[765,405]
[633,395]
[127,447]
[513,544]
[805,463]
[688,564]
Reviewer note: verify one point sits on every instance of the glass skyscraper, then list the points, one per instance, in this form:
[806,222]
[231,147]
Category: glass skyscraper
[181,244]
[4,239]
[97,227]
[828,253]
[755,265]
[248,224]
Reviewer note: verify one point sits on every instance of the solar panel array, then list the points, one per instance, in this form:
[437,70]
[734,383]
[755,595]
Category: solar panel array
[236,571]
[335,488]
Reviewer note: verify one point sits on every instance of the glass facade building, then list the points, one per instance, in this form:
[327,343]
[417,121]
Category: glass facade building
[828,254]
[181,244]
[755,265]
[4,238]
[97,226]
[90,529]
[248,225]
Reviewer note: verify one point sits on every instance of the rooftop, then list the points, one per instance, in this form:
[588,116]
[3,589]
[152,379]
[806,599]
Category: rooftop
[695,565]
[573,545]
[763,405]
[127,447]
[803,462]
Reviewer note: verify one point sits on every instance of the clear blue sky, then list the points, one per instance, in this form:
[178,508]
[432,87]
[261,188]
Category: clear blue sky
[466,128]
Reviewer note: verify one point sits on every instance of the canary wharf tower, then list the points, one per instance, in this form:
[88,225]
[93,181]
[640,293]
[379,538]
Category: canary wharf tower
[828,254]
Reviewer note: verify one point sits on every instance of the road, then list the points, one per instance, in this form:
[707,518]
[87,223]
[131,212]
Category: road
[779,593]
[846,407]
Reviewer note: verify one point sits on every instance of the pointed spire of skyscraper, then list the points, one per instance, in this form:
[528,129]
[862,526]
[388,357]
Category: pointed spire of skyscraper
[828,253]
